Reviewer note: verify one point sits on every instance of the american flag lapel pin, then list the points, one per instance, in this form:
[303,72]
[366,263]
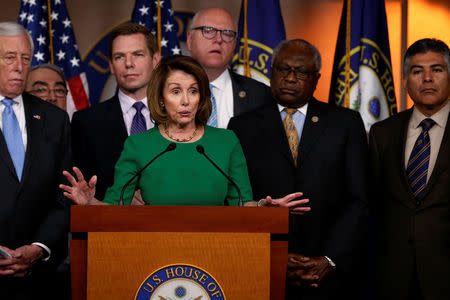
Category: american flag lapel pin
[37,117]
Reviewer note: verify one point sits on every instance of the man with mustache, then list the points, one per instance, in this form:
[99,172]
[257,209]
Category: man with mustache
[47,82]
[297,143]
[410,159]
[212,41]
[99,132]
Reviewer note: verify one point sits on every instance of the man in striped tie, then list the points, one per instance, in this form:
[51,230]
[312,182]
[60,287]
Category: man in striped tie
[297,143]
[410,158]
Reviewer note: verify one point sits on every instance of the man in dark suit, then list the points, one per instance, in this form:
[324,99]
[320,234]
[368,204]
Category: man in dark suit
[34,150]
[99,132]
[212,41]
[297,143]
[410,159]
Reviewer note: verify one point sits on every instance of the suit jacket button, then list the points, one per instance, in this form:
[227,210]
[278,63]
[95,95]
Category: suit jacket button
[242,94]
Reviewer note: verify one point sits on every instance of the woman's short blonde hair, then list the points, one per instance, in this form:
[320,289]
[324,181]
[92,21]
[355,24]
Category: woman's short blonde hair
[156,87]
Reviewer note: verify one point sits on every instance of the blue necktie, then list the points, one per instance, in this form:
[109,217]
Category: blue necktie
[138,125]
[212,121]
[417,167]
[13,137]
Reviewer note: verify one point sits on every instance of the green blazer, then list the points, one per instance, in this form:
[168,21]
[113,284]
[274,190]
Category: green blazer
[182,176]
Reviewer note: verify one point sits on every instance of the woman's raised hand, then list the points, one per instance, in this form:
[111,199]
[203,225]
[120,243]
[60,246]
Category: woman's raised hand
[81,192]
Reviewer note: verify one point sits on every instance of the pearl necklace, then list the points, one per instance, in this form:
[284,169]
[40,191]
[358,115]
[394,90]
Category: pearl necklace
[179,140]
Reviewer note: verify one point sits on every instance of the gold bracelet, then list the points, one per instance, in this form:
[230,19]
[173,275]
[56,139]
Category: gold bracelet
[259,203]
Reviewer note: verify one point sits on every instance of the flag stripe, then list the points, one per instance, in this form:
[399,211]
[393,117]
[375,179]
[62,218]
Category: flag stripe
[77,90]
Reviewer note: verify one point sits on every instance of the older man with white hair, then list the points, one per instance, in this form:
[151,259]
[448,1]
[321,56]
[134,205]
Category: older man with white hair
[34,149]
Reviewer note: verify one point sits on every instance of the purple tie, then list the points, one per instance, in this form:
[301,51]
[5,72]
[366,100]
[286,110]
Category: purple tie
[138,125]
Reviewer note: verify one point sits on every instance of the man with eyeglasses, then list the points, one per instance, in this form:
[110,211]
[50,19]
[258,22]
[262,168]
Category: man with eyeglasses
[212,41]
[35,147]
[297,143]
[47,82]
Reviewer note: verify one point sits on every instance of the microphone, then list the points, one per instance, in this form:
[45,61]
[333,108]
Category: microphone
[201,150]
[171,147]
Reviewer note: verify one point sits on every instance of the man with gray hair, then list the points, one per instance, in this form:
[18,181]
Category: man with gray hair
[212,41]
[34,150]
[411,201]
[47,82]
[297,143]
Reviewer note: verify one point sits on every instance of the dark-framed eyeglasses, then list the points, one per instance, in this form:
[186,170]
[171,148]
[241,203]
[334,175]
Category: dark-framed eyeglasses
[298,73]
[45,92]
[210,33]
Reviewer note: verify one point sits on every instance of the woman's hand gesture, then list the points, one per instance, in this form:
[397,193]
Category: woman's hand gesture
[296,206]
[81,192]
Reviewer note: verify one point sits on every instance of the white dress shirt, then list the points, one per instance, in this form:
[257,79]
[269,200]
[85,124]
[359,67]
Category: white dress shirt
[435,133]
[223,93]
[128,111]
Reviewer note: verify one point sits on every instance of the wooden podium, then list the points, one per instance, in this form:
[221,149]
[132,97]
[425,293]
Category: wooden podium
[115,248]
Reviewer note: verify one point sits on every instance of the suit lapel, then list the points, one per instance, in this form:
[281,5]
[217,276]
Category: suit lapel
[35,119]
[399,134]
[5,157]
[441,161]
[114,113]
[272,127]
[315,124]
[240,98]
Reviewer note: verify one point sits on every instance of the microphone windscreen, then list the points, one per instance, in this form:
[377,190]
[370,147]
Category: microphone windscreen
[200,149]
[171,147]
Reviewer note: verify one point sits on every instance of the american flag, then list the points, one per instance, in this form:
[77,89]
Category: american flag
[145,12]
[59,47]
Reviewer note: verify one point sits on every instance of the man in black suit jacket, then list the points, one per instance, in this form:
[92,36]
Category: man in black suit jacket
[33,211]
[99,132]
[326,245]
[213,48]
[412,217]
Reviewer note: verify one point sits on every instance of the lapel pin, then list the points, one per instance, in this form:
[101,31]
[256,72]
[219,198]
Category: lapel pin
[315,119]
[37,117]
[242,94]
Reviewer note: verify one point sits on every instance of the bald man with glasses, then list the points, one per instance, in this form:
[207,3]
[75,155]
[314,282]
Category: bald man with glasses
[212,41]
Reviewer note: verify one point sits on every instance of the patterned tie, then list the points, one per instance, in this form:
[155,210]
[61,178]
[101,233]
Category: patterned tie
[417,167]
[13,137]
[138,125]
[212,121]
[291,132]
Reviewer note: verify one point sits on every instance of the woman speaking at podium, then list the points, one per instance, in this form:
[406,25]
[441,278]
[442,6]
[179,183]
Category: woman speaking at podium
[182,161]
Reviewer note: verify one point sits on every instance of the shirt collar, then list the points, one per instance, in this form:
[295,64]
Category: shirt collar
[440,117]
[17,100]
[303,109]
[126,102]
[221,81]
